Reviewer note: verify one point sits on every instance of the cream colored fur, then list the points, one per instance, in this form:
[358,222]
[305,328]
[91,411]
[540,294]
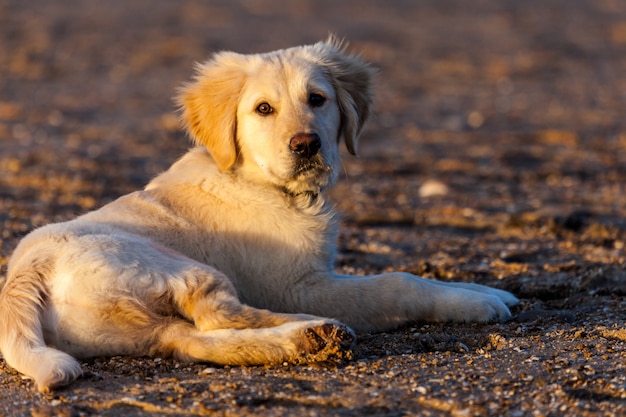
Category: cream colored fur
[220,258]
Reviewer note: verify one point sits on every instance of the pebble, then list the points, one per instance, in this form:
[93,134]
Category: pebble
[432,188]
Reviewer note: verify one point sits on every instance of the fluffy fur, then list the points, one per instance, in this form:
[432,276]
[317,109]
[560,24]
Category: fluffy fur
[228,256]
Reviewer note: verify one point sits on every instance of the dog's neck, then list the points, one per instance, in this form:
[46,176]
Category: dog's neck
[305,198]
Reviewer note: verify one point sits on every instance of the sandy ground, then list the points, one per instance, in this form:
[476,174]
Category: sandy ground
[497,155]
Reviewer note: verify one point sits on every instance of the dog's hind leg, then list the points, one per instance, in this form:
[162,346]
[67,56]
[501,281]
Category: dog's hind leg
[222,330]
[206,297]
[295,342]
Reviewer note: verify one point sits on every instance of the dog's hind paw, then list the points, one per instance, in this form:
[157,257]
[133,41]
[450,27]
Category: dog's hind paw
[328,341]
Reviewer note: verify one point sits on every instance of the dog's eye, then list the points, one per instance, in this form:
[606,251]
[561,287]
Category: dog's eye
[264,109]
[316,100]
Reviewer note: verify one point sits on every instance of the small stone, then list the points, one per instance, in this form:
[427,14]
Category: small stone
[433,188]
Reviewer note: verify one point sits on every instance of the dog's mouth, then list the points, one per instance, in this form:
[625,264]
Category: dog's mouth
[309,176]
[312,172]
[307,167]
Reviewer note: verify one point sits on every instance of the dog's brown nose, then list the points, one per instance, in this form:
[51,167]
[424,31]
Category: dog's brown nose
[305,145]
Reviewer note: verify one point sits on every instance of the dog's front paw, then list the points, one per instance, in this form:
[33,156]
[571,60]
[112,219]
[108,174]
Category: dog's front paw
[328,341]
[471,306]
[504,296]
[491,308]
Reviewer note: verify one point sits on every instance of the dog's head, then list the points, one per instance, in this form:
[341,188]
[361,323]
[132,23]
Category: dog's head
[278,117]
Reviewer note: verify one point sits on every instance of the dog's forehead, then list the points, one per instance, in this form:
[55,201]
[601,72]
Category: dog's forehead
[282,73]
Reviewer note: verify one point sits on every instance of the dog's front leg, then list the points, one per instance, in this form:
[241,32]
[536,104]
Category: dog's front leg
[386,301]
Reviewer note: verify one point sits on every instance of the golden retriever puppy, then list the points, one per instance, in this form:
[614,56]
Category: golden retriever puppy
[227,257]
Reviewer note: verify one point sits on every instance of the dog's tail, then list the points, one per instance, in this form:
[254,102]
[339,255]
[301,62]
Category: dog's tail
[21,335]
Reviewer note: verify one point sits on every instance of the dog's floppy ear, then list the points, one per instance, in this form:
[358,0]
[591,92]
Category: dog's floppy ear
[353,82]
[209,106]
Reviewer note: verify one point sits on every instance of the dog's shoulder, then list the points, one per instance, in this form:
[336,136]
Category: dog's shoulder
[194,167]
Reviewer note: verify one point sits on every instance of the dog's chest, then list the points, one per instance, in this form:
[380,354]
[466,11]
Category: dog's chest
[263,251]
[278,235]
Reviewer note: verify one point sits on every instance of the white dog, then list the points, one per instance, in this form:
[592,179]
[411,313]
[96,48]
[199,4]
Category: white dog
[223,257]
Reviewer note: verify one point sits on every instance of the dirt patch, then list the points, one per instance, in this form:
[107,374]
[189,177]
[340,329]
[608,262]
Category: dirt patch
[497,155]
